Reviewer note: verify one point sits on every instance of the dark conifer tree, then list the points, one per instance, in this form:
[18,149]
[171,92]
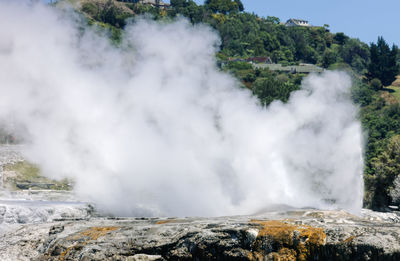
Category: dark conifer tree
[383,64]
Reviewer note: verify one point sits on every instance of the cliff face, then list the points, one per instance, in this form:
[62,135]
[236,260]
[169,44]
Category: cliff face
[279,235]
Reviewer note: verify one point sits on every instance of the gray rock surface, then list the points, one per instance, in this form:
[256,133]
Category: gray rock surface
[278,235]
[27,212]
[10,154]
[14,213]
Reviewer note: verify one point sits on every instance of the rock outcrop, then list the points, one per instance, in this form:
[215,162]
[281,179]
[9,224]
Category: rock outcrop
[278,235]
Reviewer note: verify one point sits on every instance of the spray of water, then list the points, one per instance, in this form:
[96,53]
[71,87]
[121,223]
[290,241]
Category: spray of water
[154,128]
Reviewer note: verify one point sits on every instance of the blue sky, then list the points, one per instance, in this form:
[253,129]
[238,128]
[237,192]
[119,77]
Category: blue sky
[363,19]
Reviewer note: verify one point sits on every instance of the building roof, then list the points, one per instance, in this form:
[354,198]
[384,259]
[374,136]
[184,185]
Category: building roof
[297,22]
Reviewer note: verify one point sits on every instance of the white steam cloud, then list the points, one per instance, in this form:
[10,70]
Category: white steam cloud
[154,128]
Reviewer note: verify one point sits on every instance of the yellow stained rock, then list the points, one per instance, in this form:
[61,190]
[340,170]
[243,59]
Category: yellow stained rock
[295,241]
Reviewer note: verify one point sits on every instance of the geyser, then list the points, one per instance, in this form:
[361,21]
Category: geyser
[154,128]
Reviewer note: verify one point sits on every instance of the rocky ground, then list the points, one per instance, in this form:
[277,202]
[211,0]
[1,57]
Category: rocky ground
[53,225]
[10,154]
[297,234]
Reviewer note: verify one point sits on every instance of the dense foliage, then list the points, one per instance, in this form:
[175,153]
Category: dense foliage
[384,184]
[106,12]
[383,64]
[247,35]
[224,6]
[265,84]
[380,117]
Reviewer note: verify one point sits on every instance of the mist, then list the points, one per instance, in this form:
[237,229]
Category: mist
[154,128]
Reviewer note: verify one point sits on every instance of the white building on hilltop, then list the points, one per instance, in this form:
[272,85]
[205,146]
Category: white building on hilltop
[297,22]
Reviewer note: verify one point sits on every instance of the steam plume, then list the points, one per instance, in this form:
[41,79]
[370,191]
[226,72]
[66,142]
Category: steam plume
[154,128]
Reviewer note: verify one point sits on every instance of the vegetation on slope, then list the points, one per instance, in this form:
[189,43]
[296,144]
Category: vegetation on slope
[24,175]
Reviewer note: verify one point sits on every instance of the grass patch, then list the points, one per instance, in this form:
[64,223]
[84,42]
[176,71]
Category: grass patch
[25,175]
[396,83]
[395,92]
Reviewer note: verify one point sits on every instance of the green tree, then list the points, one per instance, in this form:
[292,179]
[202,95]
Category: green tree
[224,6]
[383,62]
[387,166]
[340,38]
[272,88]
[362,93]
[106,12]
[355,53]
[178,3]
[187,8]
[376,84]
[273,19]
[329,57]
